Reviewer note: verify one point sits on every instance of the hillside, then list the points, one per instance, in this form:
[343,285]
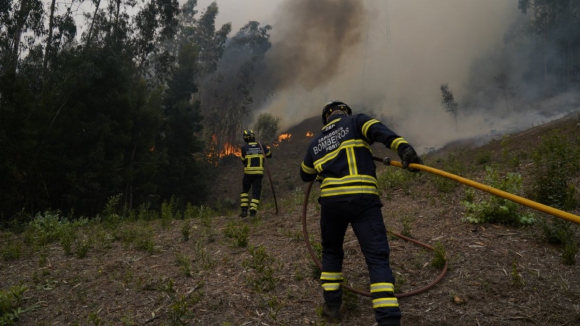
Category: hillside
[199,271]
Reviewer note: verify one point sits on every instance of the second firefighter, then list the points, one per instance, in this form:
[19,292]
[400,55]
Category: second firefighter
[253,155]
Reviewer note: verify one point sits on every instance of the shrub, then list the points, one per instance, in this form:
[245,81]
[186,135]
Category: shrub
[238,233]
[264,266]
[555,160]
[266,127]
[497,209]
[450,165]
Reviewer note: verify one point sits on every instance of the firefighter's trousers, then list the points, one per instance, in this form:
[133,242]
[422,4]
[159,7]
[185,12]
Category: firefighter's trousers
[253,181]
[366,219]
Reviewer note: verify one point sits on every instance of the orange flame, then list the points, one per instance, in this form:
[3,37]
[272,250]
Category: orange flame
[228,149]
[309,134]
[286,136]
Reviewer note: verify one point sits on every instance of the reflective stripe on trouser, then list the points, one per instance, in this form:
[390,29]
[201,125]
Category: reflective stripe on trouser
[366,219]
[254,182]
[244,200]
[331,281]
[384,295]
[254,204]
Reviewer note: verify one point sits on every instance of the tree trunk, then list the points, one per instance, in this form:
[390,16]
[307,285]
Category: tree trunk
[20,20]
[48,44]
[90,33]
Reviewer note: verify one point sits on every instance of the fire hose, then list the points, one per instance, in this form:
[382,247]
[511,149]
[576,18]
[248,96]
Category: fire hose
[471,183]
[269,178]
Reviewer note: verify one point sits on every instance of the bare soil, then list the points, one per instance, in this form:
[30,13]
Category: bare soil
[498,275]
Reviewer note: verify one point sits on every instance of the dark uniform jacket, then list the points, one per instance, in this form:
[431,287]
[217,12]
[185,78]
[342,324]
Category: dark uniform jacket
[253,157]
[341,157]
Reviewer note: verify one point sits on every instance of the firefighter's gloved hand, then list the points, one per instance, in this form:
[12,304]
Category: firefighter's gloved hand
[408,155]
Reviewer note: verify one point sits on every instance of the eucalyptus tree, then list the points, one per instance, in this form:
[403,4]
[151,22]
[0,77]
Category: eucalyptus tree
[228,101]
[557,24]
[449,103]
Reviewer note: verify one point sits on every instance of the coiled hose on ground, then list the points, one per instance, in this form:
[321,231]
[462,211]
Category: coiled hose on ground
[387,161]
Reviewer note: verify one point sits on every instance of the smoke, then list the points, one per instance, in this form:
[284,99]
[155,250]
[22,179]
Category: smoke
[384,57]
[314,39]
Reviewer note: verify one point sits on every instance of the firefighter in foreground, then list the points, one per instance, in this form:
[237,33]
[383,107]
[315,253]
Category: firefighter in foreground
[253,160]
[340,159]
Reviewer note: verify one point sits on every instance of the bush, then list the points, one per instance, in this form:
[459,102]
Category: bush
[496,209]
[266,127]
[555,160]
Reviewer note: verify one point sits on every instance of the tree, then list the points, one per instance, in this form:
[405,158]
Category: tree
[505,87]
[266,127]
[228,101]
[448,102]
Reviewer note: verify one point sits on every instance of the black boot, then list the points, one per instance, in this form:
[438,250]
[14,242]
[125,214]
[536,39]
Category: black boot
[253,213]
[244,212]
[331,313]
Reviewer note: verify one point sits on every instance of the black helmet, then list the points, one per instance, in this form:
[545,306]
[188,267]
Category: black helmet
[333,106]
[249,135]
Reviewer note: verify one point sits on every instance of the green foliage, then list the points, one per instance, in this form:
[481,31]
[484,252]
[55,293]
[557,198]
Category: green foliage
[407,223]
[555,160]
[10,301]
[440,256]
[483,157]
[394,178]
[266,127]
[238,232]
[517,279]
[12,250]
[496,209]
[184,263]
[168,210]
[110,215]
[451,165]
[186,230]
[264,266]
[559,231]
[274,306]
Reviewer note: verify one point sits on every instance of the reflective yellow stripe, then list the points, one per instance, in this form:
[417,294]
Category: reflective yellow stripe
[331,286]
[308,169]
[331,122]
[254,171]
[351,158]
[366,126]
[348,191]
[331,276]
[346,144]
[397,142]
[385,302]
[382,287]
[349,179]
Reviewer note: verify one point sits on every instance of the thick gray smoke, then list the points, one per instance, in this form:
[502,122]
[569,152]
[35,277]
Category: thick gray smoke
[386,57]
[313,40]
[389,57]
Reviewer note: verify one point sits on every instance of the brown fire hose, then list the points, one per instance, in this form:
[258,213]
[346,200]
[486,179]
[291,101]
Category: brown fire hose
[269,177]
[363,293]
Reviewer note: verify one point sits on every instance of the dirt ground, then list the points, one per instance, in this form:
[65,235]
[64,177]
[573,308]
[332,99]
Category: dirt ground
[497,275]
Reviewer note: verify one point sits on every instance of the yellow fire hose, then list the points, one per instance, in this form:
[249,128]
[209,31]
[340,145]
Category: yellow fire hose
[520,200]
[387,161]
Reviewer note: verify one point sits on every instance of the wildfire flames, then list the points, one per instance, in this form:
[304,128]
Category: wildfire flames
[309,134]
[227,150]
[284,137]
[230,149]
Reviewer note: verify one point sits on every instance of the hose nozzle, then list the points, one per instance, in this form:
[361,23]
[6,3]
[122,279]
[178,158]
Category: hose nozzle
[387,160]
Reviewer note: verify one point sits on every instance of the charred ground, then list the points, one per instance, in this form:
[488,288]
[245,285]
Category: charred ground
[498,275]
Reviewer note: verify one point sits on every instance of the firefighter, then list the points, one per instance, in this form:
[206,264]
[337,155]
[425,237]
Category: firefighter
[253,160]
[340,159]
